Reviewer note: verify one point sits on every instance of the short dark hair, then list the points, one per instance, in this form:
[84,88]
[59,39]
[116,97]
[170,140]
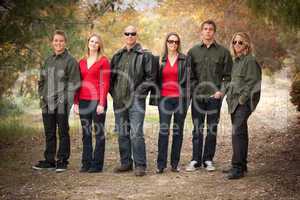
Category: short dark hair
[210,22]
[59,32]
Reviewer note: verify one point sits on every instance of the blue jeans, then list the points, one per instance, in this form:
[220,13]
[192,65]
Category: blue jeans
[167,108]
[92,158]
[201,108]
[129,125]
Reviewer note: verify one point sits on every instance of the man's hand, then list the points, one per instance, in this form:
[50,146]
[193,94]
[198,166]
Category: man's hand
[218,95]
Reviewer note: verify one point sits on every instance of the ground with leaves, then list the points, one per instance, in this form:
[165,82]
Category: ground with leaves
[274,165]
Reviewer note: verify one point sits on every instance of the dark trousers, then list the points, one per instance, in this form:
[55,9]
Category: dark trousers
[240,136]
[57,117]
[129,125]
[167,108]
[88,116]
[201,108]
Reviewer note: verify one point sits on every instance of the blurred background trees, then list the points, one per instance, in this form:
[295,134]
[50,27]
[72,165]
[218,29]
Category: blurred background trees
[26,27]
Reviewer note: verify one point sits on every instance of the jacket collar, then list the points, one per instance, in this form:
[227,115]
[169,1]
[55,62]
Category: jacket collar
[201,44]
[136,48]
[63,55]
[181,56]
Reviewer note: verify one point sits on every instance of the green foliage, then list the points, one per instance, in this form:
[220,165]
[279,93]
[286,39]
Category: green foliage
[286,12]
[9,107]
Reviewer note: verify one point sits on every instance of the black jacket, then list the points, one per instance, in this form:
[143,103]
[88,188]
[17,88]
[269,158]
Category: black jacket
[183,78]
[141,75]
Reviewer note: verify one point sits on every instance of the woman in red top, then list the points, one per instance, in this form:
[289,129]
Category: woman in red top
[173,100]
[90,103]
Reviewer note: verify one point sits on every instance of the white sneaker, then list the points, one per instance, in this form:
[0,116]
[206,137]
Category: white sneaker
[191,166]
[209,166]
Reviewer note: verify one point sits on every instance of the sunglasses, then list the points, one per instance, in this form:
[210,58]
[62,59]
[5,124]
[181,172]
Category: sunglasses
[128,33]
[173,42]
[237,42]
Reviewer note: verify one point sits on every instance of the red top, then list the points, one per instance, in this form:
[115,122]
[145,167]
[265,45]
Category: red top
[94,81]
[170,86]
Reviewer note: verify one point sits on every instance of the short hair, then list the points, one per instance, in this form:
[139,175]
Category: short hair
[59,32]
[210,22]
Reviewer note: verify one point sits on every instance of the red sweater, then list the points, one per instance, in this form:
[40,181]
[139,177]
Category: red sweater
[94,81]
[170,86]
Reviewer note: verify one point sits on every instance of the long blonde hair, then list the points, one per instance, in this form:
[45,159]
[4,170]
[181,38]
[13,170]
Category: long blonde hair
[246,40]
[100,51]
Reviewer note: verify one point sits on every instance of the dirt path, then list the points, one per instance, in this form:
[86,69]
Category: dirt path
[274,164]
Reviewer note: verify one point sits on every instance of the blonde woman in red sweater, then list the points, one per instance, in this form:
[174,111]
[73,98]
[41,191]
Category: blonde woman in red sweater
[90,103]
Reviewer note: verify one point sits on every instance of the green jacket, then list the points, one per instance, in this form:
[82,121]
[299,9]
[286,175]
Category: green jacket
[210,69]
[245,85]
[59,80]
[134,78]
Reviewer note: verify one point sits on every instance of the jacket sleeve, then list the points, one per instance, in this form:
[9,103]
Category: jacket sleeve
[41,81]
[74,79]
[113,74]
[104,82]
[192,74]
[252,80]
[154,94]
[150,73]
[226,72]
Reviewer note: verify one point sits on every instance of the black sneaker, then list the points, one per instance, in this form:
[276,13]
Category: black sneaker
[61,166]
[160,170]
[175,169]
[44,165]
[235,174]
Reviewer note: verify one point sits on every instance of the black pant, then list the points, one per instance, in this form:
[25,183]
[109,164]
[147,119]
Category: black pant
[240,136]
[202,108]
[169,107]
[88,115]
[51,119]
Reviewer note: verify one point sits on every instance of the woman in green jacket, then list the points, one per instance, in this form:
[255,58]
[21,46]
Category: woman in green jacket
[243,95]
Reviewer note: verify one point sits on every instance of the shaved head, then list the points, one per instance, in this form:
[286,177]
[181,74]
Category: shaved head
[130,36]
[130,28]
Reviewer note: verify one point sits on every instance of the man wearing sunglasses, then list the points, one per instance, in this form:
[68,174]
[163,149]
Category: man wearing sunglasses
[131,80]
[211,66]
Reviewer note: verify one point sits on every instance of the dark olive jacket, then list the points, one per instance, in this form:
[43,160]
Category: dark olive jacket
[210,69]
[183,79]
[59,80]
[140,75]
[245,85]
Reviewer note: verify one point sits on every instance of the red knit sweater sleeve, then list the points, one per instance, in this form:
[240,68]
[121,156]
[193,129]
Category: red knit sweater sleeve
[104,81]
[76,95]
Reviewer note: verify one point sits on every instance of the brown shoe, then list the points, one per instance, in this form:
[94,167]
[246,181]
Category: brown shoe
[140,171]
[123,168]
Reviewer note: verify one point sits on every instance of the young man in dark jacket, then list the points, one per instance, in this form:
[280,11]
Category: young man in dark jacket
[211,66]
[131,79]
[59,79]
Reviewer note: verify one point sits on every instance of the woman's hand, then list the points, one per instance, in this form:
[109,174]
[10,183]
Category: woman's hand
[100,109]
[76,109]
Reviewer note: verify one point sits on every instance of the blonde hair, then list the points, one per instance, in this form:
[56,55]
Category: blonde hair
[100,51]
[246,40]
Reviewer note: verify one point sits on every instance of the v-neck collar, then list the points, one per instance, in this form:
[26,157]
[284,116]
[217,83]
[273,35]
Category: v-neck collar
[86,63]
[174,62]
